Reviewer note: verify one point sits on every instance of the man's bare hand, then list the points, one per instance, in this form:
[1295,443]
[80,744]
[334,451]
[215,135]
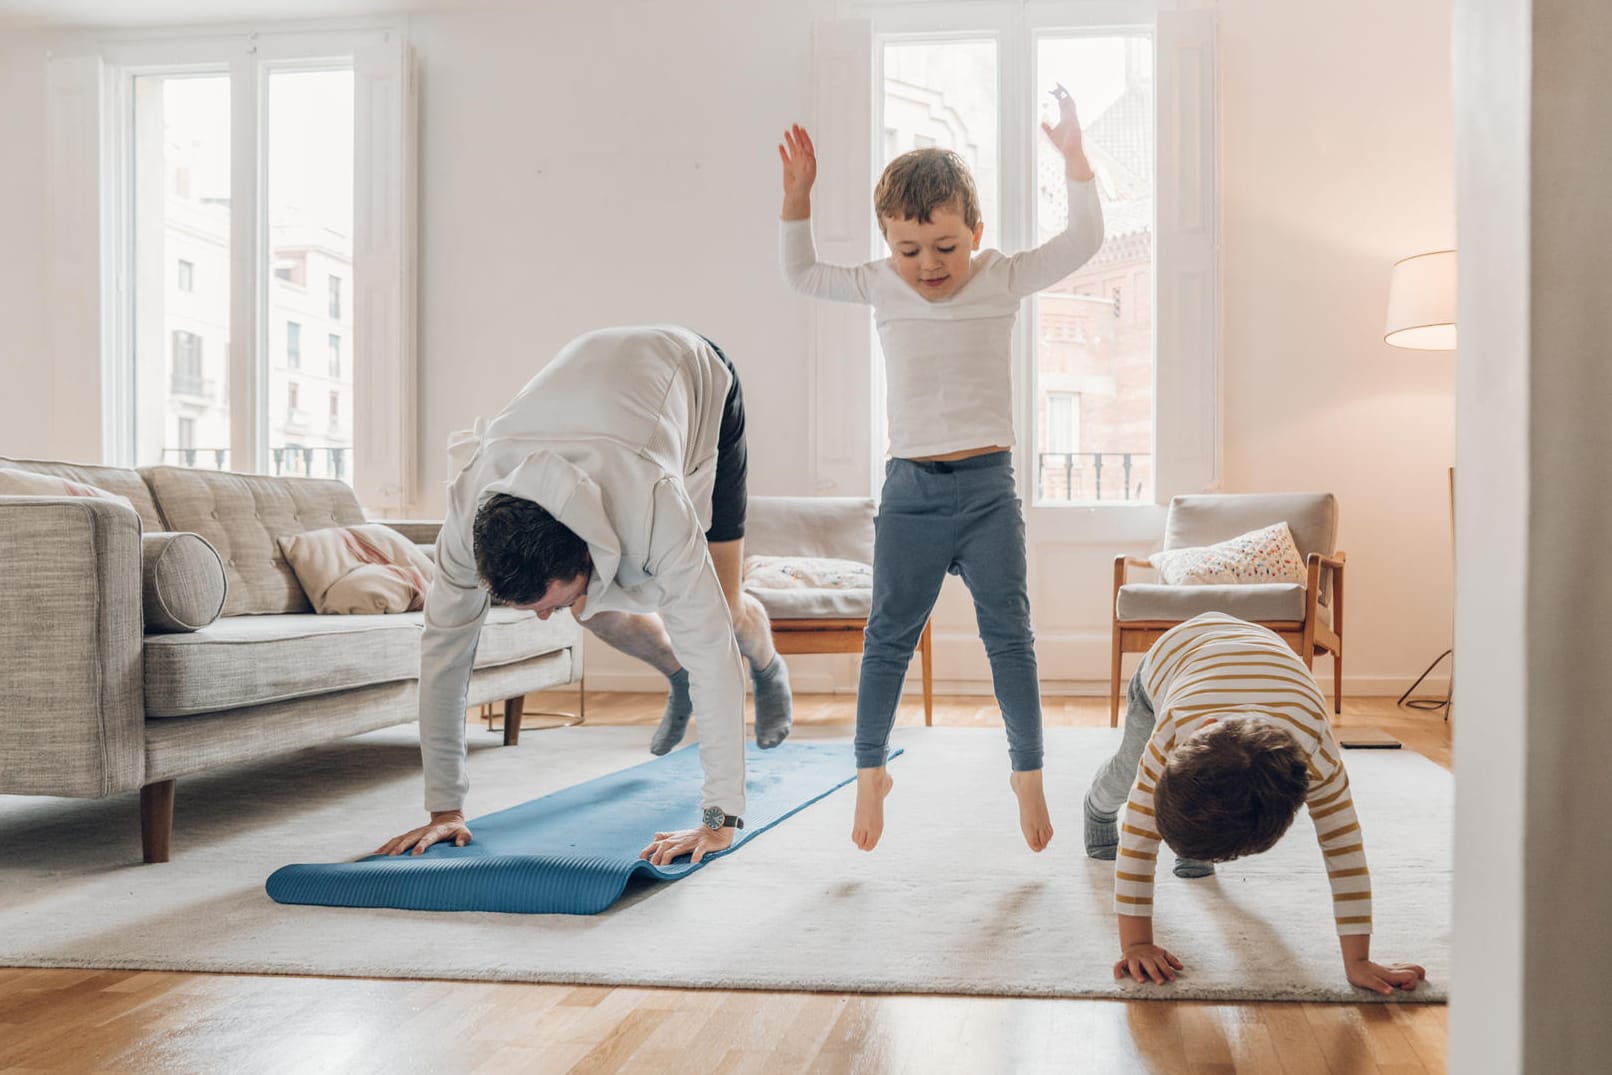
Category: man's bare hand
[696,842]
[445,825]
[1147,962]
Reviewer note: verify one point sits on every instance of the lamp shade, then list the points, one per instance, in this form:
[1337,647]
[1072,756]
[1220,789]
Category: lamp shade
[1421,302]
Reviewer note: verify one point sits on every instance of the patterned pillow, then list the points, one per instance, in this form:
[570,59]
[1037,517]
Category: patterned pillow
[15,482]
[1267,555]
[359,570]
[805,573]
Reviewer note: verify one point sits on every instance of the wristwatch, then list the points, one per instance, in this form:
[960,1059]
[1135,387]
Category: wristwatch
[715,818]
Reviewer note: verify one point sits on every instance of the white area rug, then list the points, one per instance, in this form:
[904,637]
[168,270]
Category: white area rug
[950,902]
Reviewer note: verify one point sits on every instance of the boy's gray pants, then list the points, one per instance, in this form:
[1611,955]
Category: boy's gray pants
[1112,784]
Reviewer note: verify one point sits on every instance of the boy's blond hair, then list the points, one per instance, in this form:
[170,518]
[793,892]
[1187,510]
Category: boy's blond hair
[921,181]
[1232,789]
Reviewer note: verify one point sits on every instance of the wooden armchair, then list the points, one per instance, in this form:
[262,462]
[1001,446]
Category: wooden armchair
[821,621]
[1308,617]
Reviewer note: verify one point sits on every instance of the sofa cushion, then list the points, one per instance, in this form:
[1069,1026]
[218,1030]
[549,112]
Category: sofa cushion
[125,483]
[243,516]
[809,587]
[250,660]
[352,570]
[813,604]
[182,582]
[1261,601]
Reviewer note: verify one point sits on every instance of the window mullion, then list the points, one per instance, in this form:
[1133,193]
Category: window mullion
[247,370]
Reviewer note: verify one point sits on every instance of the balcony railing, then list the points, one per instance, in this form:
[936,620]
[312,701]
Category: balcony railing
[184,384]
[294,462]
[1082,477]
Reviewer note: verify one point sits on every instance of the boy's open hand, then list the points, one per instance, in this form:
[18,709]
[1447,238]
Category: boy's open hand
[1067,137]
[1384,980]
[1147,962]
[799,158]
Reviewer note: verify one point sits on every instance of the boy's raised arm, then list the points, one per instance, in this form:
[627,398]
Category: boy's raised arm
[1034,270]
[801,268]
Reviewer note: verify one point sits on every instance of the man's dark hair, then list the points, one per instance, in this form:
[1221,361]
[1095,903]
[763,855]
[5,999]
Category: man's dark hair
[521,549]
[1231,789]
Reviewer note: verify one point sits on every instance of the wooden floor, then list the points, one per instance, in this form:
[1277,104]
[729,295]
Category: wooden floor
[80,1021]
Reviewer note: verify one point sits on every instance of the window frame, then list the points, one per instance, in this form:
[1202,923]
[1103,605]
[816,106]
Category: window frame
[100,71]
[1185,296]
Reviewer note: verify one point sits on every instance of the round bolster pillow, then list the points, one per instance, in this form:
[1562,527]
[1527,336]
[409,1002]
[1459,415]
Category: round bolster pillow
[182,582]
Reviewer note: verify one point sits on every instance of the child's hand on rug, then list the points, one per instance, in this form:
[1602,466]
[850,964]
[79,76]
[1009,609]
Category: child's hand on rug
[445,825]
[1381,979]
[698,842]
[1145,962]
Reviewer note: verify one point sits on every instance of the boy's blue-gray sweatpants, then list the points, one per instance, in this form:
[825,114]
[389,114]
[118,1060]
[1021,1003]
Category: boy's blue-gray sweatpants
[964,518]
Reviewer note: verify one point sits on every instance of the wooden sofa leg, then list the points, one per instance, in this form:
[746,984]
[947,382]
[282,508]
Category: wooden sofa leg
[1337,681]
[513,708]
[157,820]
[1113,684]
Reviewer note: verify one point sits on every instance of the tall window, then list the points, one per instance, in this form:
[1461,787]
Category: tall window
[1087,339]
[1115,367]
[326,119]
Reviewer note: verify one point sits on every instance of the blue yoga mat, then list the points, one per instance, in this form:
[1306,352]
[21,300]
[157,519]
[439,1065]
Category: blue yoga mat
[574,851]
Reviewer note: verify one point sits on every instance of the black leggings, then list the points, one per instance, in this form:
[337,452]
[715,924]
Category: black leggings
[729,496]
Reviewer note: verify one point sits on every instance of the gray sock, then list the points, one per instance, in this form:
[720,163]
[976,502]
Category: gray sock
[674,722]
[775,708]
[1193,868]
[1102,833]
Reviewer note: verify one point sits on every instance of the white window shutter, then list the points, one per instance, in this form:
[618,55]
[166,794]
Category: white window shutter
[1187,407]
[840,344]
[73,252]
[384,168]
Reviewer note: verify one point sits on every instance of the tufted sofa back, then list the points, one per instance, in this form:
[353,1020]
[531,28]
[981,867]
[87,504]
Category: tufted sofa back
[243,515]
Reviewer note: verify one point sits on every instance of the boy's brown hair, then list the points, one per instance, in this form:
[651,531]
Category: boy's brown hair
[921,181]
[1229,790]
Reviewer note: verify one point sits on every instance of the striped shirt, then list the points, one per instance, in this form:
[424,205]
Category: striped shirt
[1217,667]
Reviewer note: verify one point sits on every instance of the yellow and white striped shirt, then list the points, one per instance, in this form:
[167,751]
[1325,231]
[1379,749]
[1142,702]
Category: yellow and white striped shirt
[1218,667]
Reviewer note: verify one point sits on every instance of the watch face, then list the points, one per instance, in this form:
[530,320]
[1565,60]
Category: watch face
[714,817]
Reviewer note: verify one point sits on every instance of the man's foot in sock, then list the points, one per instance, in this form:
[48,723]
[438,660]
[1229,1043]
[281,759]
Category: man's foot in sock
[775,707]
[1033,817]
[1102,833]
[674,722]
[1190,868]
[872,785]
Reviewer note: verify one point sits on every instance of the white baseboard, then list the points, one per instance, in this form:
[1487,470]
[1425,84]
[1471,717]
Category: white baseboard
[804,682]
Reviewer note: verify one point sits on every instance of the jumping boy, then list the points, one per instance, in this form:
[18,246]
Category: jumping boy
[949,504]
[1225,738]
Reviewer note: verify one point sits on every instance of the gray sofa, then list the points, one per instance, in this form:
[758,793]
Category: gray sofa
[112,684]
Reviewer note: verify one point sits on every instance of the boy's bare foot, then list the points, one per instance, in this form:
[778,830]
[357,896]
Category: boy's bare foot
[1033,816]
[872,785]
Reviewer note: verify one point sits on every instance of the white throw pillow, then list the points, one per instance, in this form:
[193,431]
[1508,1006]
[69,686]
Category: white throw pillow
[14,482]
[805,573]
[1267,555]
[359,570]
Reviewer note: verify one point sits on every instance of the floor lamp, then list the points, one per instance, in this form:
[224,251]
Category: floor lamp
[1421,317]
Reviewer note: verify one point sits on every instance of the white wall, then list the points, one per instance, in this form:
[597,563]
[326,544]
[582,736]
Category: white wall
[586,163]
[1336,160]
[25,368]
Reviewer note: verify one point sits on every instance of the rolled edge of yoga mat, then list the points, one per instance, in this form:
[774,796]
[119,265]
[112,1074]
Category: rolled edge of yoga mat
[446,878]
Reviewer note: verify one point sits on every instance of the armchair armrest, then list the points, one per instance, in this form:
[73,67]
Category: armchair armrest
[72,706]
[1122,564]
[1333,565]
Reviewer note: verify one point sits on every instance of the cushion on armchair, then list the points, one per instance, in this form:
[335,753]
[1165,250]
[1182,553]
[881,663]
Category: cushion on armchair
[809,587]
[1267,555]
[182,582]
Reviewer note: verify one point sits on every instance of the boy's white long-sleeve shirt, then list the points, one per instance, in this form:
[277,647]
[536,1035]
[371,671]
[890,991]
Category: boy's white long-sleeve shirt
[617,439]
[948,364]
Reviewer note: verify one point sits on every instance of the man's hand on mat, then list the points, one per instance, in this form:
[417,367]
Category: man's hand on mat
[1384,980]
[445,825]
[1145,962]
[698,842]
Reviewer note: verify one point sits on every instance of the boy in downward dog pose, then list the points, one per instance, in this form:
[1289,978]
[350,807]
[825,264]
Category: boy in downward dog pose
[1225,738]
[945,320]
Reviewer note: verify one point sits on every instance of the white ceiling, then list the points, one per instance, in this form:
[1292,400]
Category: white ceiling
[26,13]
